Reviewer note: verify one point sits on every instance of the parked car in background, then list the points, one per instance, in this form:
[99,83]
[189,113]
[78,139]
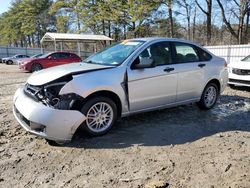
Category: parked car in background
[49,60]
[239,72]
[133,76]
[30,58]
[13,59]
[37,55]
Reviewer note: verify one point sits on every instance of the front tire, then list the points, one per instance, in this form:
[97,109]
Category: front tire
[36,67]
[101,114]
[209,97]
[9,62]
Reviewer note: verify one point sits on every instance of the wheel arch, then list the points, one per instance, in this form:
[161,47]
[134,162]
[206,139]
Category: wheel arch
[215,81]
[103,93]
[35,63]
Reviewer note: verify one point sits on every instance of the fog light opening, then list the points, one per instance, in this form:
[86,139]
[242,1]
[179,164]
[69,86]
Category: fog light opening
[37,127]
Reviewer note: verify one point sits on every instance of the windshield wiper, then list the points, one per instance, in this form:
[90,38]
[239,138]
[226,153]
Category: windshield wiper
[91,62]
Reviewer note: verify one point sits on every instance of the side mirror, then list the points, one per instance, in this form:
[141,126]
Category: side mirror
[50,57]
[144,63]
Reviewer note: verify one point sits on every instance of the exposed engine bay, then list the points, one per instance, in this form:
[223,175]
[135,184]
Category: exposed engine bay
[48,94]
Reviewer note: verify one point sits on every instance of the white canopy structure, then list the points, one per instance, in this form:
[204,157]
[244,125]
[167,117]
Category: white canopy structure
[76,38]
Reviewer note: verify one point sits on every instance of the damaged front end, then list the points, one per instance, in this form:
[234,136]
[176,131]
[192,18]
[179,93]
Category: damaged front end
[42,111]
[48,94]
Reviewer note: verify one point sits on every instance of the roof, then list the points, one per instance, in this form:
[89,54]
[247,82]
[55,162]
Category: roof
[150,39]
[74,37]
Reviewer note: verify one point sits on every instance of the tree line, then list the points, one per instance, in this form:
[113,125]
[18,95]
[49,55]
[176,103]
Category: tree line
[208,22]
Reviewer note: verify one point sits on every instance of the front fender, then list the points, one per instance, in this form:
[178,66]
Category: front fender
[88,83]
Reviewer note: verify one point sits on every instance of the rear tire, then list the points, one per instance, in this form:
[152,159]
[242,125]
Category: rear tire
[36,67]
[101,114]
[9,62]
[209,97]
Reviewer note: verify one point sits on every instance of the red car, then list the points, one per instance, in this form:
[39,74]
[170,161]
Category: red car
[49,60]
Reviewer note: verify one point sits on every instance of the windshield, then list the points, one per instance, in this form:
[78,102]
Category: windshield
[37,55]
[246,59]
[115,54]
[44,55]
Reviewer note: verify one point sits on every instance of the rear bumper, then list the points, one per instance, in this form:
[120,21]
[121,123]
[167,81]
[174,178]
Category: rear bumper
[43,121]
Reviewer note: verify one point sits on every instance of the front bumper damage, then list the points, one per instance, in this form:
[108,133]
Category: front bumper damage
[47,122]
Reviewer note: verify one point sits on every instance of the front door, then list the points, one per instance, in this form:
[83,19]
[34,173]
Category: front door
[154,86]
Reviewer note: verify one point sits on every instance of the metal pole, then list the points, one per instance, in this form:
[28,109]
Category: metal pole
[95,46]
[79,48]
[7,49]
[228,54]
[61,45]
[41,47]
[55,44]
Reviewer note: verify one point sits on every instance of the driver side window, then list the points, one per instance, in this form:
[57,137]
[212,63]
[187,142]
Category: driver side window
[158,52]
[55,56]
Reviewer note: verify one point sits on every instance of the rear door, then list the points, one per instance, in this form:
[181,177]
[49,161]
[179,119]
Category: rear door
[190,71]
[64,58]
[156,86]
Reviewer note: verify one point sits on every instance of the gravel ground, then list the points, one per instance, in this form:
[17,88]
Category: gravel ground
[177,147]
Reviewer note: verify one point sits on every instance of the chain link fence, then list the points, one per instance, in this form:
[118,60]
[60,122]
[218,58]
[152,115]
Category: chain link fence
[6,51]
[229,52]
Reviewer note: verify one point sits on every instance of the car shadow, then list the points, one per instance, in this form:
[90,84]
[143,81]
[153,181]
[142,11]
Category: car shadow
[177,125]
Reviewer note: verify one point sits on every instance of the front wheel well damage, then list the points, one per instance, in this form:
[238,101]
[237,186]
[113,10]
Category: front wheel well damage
[78,104]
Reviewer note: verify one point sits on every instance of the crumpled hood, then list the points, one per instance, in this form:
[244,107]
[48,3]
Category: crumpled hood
[47,75]
[240,65]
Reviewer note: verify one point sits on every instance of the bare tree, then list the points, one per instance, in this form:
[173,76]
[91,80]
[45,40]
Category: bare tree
[194,22]
[243,9]
[169,4]
[170,14]
[187,6]
[208,14]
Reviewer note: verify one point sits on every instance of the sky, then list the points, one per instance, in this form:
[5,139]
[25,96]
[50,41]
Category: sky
[4,5]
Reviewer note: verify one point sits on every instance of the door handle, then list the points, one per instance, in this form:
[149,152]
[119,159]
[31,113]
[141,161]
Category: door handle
[168,69]
[201,65]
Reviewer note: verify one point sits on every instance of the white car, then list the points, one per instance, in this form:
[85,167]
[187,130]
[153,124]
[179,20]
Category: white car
[239,72]
[132,76]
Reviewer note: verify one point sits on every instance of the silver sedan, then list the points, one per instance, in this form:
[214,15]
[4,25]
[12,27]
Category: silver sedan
[133,76]
[14,59]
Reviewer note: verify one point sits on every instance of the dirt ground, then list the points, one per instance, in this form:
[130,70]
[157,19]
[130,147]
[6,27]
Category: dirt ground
[177,147]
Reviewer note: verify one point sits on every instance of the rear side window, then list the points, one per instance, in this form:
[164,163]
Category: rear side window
[185,53]
[64,55]
[73,55]
[60,55]
[204,56]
